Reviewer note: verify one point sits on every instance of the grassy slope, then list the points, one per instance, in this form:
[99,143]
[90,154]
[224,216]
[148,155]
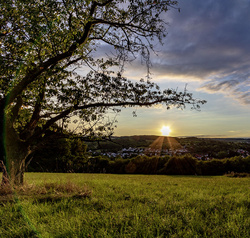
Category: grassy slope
[135,206]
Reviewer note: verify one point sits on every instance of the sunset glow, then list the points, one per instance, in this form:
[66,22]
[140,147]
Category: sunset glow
[165,130]
[210,61]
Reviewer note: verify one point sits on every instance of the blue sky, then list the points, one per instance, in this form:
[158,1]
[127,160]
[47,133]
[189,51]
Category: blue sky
[207,48]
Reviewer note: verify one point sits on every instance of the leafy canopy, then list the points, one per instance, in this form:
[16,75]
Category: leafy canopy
[42,43]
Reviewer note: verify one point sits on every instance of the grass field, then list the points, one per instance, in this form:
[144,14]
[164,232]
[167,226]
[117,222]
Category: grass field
[129,206]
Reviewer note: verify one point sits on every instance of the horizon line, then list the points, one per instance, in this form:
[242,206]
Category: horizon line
[197,136]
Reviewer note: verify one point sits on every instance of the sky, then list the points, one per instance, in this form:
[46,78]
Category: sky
[207,48]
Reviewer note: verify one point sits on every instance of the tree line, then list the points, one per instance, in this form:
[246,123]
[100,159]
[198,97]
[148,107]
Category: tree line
[70,155]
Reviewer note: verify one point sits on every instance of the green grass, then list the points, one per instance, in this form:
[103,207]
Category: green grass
[132,206]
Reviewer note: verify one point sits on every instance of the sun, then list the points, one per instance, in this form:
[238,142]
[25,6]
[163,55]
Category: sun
[165,130]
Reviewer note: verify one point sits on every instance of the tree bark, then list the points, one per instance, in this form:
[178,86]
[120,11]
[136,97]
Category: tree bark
[2,125]
[15,152]
[5,176]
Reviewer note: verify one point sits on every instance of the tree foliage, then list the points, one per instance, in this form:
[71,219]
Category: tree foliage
[42,43]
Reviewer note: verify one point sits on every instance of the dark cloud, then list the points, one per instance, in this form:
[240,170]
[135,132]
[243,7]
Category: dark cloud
[223,85]
[209,40]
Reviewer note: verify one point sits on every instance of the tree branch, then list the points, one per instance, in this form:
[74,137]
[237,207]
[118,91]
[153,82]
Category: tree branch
[119,24]
[93,105]
[36,113]
[38,70]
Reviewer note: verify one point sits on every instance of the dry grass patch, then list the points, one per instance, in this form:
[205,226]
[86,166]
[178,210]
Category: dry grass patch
[237,175]
[45,192]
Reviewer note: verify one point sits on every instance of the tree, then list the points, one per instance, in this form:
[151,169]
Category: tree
[43,42]
[58,155]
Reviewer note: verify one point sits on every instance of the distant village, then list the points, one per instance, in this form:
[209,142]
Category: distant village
[132,152]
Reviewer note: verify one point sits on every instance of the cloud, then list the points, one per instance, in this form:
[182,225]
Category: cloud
[209,41]
[232,84]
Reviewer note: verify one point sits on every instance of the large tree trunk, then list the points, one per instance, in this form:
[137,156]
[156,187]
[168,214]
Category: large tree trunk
[16,152]
[4,170]
[2,134]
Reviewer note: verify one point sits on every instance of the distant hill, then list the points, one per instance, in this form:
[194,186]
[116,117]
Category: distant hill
[243,140]
[153,137]
[193,144]
[137,141]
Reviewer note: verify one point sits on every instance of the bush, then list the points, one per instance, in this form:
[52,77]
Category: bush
[118,166]
[181,165]
[219,167]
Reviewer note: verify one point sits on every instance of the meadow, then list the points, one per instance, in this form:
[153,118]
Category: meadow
[109,205]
